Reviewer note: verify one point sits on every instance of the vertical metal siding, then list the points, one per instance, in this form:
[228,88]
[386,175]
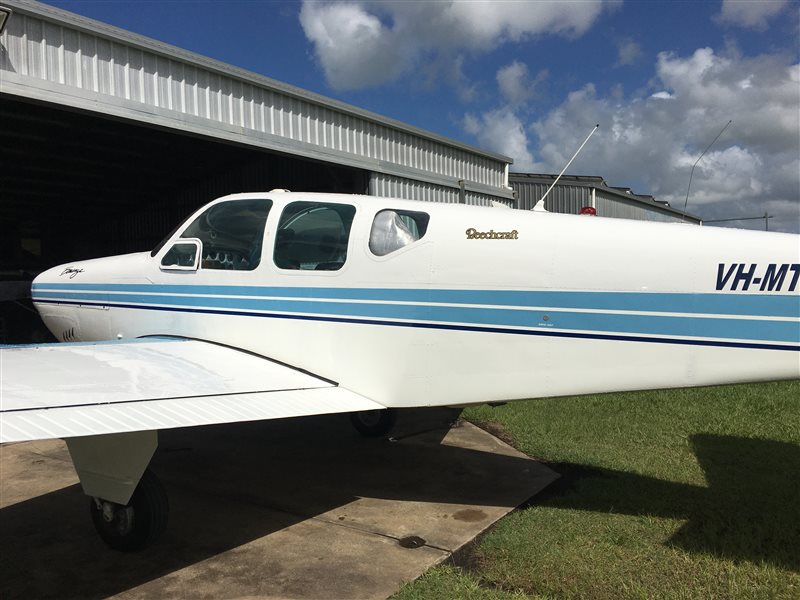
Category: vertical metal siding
[569,199]
[388,186]
[618,208]
[45,50]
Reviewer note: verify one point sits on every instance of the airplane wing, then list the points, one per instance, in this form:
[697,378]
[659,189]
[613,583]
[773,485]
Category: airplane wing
[67,390]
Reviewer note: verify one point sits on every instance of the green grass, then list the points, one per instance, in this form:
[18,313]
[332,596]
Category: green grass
[691,493]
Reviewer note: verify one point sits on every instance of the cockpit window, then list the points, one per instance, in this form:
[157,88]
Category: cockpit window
[231,234]
[395,229]
[313,236]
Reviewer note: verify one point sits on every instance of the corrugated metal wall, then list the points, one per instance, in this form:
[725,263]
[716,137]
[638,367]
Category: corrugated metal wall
[619,208]
[387,186]
[568,199]
[52,59]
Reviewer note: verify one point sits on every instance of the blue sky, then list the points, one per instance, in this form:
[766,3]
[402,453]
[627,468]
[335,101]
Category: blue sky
[529,79]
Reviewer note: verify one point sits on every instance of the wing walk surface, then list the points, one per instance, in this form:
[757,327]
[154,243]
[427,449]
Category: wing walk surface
[67,390]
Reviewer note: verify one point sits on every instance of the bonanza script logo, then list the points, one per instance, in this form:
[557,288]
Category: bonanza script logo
[474,234]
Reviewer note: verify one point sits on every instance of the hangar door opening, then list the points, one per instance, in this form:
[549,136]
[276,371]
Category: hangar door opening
[77,185]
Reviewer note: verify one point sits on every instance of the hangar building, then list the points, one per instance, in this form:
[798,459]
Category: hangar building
[574,192]
[109,139]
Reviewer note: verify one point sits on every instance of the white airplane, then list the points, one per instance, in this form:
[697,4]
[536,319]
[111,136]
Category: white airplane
[272,305]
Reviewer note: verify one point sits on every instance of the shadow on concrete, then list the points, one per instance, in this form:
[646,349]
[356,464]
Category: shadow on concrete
[750,509]
[229,485]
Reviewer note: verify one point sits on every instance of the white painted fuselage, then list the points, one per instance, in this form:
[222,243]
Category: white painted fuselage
[489,305]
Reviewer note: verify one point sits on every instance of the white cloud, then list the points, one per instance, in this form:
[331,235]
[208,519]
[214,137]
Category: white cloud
[502,131]
[752,14]
[366,43]
[450,70]
[488,22]
[471,124]
[628,52]
[651,142]
[515,82]
[351,45]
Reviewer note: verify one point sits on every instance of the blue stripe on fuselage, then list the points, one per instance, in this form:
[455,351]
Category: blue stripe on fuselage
[787,306]
[680,326]
[479,329]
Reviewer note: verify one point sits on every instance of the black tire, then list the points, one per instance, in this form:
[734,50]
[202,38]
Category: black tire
[138,524]
[374,423]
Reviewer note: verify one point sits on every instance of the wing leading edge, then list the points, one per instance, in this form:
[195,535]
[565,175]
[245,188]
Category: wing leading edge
[69,390]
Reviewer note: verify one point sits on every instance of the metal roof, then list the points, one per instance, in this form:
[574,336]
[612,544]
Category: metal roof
[63,60]
[112,33]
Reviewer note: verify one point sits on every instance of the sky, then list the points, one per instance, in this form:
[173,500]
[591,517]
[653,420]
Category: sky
[531,79]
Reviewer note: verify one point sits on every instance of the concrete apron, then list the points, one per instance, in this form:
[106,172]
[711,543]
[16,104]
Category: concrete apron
[300,508]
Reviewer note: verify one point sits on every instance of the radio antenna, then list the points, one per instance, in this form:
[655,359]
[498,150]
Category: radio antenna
[691,174]
[540,204]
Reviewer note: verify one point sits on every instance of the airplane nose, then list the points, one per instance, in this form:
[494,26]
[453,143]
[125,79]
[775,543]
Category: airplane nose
[39,282]
[39,279]
[46,277]
[60,319]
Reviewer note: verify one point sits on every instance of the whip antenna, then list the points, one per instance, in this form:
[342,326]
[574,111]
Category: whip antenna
[540,204]
[691,174]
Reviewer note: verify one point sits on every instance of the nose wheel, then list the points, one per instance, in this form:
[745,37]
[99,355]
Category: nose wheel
[139,523]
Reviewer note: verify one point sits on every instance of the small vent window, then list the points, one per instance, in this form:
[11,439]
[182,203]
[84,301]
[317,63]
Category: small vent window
[231,234]
[313,236]
[395,229]
[182,256]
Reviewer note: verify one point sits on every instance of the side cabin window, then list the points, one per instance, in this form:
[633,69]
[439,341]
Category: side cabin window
[231,234]
[313,236]
[395,229]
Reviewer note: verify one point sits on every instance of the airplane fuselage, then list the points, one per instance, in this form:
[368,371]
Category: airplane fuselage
[483,304]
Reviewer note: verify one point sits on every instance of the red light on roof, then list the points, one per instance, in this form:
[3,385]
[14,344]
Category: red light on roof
[588,210]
